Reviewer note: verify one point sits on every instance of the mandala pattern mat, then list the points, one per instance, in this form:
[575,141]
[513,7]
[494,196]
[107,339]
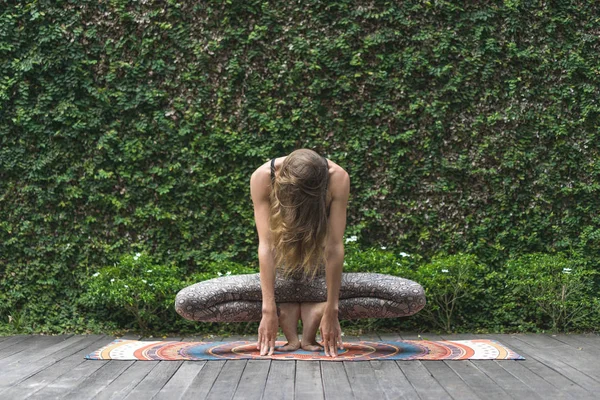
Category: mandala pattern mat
[483,349]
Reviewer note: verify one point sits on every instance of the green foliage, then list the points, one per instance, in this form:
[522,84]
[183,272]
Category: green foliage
[377,259]
[139,291]
[137,287]
[551,290]
[451,283]
[135,126]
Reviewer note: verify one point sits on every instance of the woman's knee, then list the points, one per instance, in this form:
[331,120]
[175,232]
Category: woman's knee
[409,295]
[198,302]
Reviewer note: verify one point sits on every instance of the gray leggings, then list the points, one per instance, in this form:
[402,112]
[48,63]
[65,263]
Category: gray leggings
[238,298]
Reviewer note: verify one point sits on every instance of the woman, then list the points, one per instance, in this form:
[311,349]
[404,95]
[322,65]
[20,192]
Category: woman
[300,204]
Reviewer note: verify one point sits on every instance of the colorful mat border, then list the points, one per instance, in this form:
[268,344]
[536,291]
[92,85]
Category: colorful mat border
[476,349]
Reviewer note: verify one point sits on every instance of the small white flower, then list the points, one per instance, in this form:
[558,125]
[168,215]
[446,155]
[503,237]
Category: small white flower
[145,281]
[445,270]
[112,280]
[351,239]
[152,284]
[126,287]
[228,273]
[397,263]
[567,270]
[218,273]
[149,271]
[403,254]
[383,247]
[96,274]
[138,254]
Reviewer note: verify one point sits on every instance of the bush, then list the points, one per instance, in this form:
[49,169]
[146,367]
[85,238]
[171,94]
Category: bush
[553,291]
[452,284]
[137,288]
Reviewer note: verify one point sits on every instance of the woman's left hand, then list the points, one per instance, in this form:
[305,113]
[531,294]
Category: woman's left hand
[331,333]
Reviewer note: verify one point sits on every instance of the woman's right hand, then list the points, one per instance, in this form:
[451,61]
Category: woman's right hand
[267,333]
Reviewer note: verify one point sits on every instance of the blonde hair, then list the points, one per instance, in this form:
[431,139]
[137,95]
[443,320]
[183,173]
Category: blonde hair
[298,218]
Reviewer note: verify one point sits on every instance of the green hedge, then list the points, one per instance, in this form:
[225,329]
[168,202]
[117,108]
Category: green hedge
[132,126]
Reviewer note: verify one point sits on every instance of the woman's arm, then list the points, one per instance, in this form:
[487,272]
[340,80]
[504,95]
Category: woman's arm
[269,325]
[334,250]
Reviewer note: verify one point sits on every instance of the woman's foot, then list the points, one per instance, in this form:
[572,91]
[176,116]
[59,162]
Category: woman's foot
[311,314]
[289,314]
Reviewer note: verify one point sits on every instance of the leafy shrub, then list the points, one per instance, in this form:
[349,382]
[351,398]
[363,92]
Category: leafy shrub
[137,288]
[550,290]
[451,283]
[377,259]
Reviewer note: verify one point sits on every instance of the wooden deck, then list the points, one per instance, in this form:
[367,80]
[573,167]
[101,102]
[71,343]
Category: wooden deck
[49,367]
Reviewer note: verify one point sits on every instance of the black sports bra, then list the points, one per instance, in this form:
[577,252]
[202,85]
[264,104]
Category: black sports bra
[326,183]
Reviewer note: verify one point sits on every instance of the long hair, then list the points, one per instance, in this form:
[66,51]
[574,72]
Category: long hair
[298,217]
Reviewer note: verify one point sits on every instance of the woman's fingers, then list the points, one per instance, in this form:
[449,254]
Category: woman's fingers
[271,346]
[258,343]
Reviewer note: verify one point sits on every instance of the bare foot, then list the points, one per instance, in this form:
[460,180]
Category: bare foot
[311,314]
[289,314]
[289,346]
[312,347]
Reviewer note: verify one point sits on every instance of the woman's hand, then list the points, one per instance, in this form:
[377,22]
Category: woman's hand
[331,333]
[267,333]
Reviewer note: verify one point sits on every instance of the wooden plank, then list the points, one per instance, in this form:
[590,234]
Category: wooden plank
[423,382]
[511,385]
[591,339]
[127,381]
[226,382]
[18,360]
[44,373]
[449,380]
[229,377]
[179,383]
[30,344]
[473,376]
[577,344]
[254,379]
[534,381]
[12,340]
[69,381]
[586,366]
[335,381]
[155,380]
[18,371]
[363,380]
[308,382]
[280,381]
[477,380]
[426,386]
[95,383]
[552,371]
[204,380]
[391,378]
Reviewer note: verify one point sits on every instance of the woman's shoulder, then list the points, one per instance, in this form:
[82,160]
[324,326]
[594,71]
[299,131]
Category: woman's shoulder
[260,181]
[338,178]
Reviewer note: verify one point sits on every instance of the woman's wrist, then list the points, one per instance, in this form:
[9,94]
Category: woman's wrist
[269,309]
[331,308]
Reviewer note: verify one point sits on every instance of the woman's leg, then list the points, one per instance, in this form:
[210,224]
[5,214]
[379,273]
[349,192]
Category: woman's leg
[289,314]
[238,298]
[311,314]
